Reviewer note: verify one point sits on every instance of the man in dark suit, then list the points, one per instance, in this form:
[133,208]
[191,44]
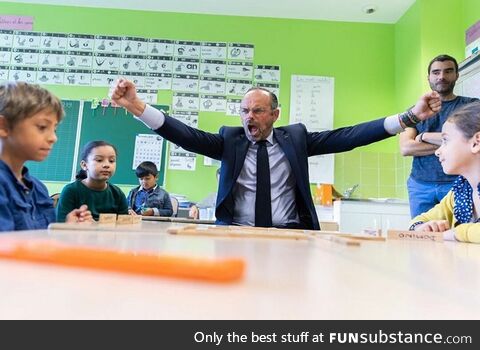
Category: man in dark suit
[264,172]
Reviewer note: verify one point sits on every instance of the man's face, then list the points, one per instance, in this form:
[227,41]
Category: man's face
[442,77]
[257,115]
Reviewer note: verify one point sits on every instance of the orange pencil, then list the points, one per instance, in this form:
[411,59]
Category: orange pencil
[52,252]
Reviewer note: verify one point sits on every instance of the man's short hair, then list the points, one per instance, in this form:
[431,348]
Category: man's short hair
[145,169]
[273,97]
[443,58]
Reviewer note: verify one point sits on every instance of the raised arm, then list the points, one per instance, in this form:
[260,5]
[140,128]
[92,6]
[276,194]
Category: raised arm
[346,139]
[209,144]
[125,95]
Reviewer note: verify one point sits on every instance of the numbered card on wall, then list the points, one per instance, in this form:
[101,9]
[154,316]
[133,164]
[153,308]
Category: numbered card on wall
[148,147]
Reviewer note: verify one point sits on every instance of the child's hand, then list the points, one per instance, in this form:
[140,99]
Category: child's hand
[131,212]
[81,214]
[147,212]
[434,226]
[193,212]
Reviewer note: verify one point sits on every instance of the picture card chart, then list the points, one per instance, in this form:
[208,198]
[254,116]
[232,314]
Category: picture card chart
[148,147]
[180,159]
[311,103]
[203,76]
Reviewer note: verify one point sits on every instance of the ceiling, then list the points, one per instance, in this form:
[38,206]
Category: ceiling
[387,11]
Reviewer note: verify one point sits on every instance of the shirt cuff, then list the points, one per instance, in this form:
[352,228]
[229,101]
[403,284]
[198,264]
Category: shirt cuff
[152,117]
[392,125]
[156,212]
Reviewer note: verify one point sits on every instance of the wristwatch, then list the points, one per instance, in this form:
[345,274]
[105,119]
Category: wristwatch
[420,137]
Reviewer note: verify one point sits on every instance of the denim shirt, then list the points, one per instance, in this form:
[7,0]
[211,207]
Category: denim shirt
[23,207]
[157,199]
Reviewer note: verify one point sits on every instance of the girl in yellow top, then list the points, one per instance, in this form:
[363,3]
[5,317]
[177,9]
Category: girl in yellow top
[458,214]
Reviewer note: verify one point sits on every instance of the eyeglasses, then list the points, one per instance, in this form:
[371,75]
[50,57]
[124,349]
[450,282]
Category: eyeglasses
[255,111]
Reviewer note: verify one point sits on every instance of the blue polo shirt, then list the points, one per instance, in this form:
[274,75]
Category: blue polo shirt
[23,207]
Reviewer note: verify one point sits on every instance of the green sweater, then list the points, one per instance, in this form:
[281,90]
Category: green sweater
[110,200]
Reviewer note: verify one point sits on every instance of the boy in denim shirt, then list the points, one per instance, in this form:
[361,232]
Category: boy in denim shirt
[29,116]
[149,199]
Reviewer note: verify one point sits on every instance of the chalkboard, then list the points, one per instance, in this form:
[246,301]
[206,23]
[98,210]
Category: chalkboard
[83,124]
[59,164]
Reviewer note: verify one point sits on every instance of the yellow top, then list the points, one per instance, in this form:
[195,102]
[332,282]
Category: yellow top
[444,211]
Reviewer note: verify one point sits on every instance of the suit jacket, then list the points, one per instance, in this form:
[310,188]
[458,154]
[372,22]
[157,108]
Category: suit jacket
[231,144]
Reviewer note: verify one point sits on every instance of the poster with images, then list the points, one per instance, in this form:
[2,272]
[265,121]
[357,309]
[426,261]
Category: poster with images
[213,103]
[148,147]
[214,51]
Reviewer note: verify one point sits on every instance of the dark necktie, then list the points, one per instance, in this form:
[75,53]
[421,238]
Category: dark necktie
[263,205]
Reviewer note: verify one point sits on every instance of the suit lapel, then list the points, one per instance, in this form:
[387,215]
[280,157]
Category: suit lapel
[285,143]
[241,148]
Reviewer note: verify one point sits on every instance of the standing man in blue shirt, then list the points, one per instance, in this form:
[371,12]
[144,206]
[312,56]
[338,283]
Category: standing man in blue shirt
[428,184]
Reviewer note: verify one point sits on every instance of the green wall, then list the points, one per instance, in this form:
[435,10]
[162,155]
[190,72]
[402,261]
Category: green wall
[471,12]
[379,69]
[358,55]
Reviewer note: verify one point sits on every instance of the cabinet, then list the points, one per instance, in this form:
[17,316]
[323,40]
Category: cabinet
[468,83]
[356,215]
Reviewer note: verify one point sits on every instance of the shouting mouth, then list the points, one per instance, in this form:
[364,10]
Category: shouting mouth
[253,130]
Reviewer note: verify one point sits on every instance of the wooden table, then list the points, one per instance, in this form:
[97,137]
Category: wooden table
[285,279]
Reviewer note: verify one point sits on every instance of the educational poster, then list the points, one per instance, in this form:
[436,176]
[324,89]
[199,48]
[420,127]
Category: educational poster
[185,102]
[242,52]
[148,147]
[27,74]
[104,77]
[158,81]
[213,103]
[108,44]
[233,106]
[179,159]
[187,49]
[148,96]
[188,118]
[264,73]
[4,73]
[215,70]
[214,51]
[54,76]
[275,88]
[209,85]
[160,47]
[311,103]
[238,87]
[187,83]
[186,66]
[240,70]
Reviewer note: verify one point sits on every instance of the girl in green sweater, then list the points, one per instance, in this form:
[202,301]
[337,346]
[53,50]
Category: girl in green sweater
[98,164]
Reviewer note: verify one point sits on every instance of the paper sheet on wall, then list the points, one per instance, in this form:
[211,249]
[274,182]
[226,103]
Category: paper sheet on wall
[148,147]
[179,158]
[311,103]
